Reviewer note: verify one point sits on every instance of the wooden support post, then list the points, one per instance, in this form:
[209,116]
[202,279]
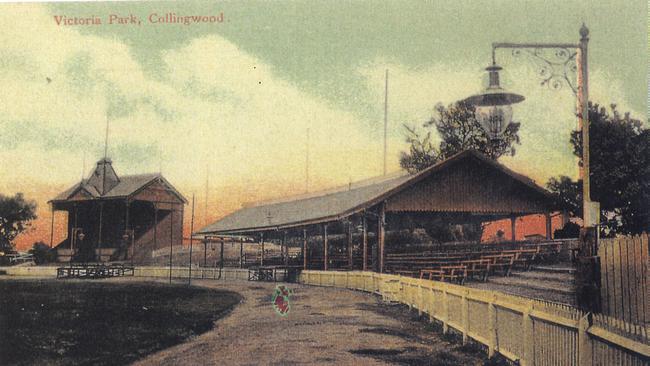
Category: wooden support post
[364,235]
[221,254]
[349,233]
[420,300]
[126,218]
[189,274]
[304,249]
[99,236]
[205,252]
[241,252]
[155,225]
[464,315]
[262,254]
[74,235]
[584,343]
[528,358]
[549,234]
[325,257]
[513,228]
[52,226]
[126,228]
[493,337]
[285,248]
[171,241]
[381,233]
[445,311]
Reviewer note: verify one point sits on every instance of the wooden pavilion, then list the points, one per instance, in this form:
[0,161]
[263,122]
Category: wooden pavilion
[463,186]
[118,218]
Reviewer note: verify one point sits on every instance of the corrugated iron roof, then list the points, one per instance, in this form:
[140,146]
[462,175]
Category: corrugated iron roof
[331,206]
[121,187]
[127,185]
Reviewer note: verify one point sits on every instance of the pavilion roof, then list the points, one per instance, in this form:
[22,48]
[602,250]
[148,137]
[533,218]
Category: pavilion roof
[337,204]
[116,187]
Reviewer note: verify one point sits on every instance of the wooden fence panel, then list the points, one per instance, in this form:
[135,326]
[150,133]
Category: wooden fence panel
[529,331]
[624,278]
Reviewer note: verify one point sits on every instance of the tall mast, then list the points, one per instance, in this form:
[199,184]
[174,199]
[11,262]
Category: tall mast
[83,167]
[207,185]
[307,163]
[105,156]
[385,120]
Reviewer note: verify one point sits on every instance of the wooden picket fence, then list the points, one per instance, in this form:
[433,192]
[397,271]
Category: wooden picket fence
[526,331]
[624,274]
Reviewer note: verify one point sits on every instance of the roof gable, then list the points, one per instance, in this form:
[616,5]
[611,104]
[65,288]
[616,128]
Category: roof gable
[336,205]
[103,178]
[123,187]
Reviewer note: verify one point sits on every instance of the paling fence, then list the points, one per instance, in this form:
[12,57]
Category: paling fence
[523,330]
[624,287]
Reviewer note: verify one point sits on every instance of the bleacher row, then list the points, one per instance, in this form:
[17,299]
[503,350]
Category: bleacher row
[476,264]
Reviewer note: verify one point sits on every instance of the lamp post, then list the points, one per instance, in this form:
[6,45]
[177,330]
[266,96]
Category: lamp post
[493,111]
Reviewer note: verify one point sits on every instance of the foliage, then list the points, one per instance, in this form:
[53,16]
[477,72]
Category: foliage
[569,231]
[568,193]
[16,214]
[422,153]
[42,253]
[619,149]
[458,130]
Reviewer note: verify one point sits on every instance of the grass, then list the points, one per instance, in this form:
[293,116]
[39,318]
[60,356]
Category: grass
[82,323]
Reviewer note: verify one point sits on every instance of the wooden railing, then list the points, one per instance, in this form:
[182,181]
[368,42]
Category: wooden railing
[527,331]
[624,286]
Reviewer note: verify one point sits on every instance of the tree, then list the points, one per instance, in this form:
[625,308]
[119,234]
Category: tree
[619,149]
[458,130]
[16,215]
[421,154]
[42,253]
[568,193]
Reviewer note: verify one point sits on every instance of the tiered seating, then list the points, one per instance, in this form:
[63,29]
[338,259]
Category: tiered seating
[478,263]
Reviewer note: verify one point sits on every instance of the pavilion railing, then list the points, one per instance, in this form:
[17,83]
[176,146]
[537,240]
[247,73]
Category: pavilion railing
[527,331]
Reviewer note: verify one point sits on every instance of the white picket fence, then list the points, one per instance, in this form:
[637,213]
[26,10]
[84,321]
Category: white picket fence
[523,330]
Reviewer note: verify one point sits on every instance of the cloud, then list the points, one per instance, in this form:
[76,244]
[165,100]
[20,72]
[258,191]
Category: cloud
[547,116]
[215,108]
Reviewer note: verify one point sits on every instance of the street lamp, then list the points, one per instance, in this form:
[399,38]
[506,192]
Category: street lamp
[493,106]
[568,58]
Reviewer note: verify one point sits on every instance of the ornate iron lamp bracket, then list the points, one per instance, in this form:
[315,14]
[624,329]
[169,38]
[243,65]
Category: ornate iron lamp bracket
[556,61]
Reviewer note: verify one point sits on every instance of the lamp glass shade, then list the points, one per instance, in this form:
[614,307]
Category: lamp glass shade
[493,106]
[494,119]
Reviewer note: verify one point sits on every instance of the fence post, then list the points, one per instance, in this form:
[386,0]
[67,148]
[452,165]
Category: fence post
[584,342]
[431,306]
[493,339]
[528,358]
[420,298]
[464,312]
[445,310]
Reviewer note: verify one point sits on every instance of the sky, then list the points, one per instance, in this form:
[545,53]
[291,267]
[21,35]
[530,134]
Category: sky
[230,102]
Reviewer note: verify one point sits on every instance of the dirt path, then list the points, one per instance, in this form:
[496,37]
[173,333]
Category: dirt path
[324,326]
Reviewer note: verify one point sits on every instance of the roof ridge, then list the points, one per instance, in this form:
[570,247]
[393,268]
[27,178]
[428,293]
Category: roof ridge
[143,175]
[329,191]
